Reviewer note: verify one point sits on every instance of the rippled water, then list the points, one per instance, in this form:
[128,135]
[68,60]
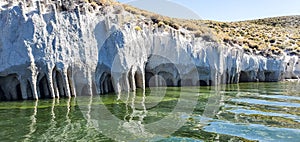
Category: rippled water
[243,112]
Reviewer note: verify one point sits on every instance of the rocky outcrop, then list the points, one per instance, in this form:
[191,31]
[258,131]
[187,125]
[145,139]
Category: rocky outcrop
[45,53]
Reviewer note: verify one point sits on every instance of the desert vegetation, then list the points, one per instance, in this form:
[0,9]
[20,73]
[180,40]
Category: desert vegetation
[269,37]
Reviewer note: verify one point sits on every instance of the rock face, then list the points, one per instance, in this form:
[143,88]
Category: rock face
[45,53]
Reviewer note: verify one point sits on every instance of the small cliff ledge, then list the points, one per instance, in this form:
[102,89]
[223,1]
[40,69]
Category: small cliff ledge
[48,50]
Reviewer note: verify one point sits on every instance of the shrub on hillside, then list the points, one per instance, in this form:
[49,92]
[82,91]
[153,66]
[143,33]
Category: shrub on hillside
[198,34]
[137,28]
[191,26]
[161,24]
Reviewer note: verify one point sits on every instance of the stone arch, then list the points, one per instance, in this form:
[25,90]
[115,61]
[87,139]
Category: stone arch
[79,81]
[85,90]
[271,76]
[2,95]
[29,90]
[148,76]
[179,83]
[168,77]
[106,84]
[138,80]
[19,92]
[43,86]
[243,77]
[185,82]
[247,76]
[10,88]
[204,83]
[58,83]
[130,80]
[165,74]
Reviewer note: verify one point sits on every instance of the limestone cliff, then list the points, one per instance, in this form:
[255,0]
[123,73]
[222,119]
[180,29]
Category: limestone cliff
[47,51]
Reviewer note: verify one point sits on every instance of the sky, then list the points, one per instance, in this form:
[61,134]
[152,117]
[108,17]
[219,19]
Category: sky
[220,10]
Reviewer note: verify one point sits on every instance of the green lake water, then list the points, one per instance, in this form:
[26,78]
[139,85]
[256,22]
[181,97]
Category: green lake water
[239,112]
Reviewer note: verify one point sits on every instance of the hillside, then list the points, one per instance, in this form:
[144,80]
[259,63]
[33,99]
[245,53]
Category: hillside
[268,37]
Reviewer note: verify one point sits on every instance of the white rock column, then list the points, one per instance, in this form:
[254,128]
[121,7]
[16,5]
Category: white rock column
[66,83]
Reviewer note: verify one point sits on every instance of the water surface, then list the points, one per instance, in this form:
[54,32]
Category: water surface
[243,112]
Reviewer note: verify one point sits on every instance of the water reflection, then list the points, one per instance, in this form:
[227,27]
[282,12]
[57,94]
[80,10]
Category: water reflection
[128,115]
[32,126]
[214,103]
[68,124]
[53,116]
[264,102]
[259,111]
[255,111]
[254,131]
[135,122]
[52,109]
[131,126]
[88,113]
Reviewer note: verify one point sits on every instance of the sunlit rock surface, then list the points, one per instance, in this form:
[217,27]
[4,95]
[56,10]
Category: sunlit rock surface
[46,53]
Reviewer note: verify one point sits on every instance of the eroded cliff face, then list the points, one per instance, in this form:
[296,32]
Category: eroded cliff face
[45,53]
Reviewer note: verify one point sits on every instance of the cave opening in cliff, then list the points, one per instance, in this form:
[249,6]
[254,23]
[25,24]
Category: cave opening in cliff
[10,88]
[135,80]
[130,81]
[85,91]
[184,82]
[29,90]
[44,88]
[245,76]
[58,83]
[138,76]
[271,77]
[204,83]
[2,95]
[168,79]
[161,79]
[162,75]
[19,92]
[15,91]
[106,85]
[148,76]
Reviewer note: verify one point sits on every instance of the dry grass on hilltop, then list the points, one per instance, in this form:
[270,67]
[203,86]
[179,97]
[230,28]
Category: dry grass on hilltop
[273,36]
[269,36]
